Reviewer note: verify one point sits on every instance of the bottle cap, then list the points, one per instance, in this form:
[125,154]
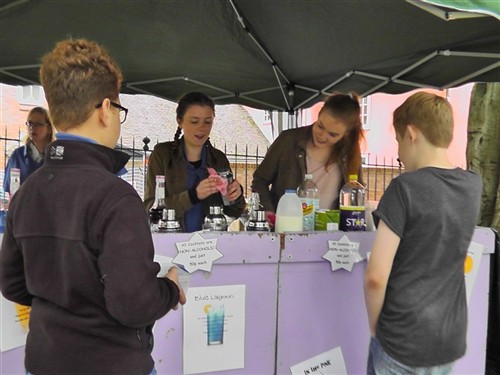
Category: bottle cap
[160,178]
[290,191]
[308,176]
[353,177]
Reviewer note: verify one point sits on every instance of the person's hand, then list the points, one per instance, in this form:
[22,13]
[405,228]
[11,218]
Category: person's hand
[233,191]
[172,275]
[206,187]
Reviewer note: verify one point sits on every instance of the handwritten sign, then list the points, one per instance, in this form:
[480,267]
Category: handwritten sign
[330,362]
[343,254]
[166,263]
[14,320]
[197,254]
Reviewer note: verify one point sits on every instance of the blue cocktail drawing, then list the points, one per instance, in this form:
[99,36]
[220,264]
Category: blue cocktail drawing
[215,325]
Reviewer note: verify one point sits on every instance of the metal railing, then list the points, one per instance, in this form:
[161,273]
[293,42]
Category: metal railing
[376,174]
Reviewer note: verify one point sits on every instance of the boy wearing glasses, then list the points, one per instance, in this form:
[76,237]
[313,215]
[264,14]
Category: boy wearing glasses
[414,281]
[77,247]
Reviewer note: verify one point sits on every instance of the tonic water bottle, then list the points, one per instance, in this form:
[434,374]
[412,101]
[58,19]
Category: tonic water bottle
[352,206]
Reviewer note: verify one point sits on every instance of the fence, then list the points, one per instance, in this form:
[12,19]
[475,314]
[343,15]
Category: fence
[376,175]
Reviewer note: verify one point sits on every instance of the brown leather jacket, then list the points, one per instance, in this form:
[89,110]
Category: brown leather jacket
[166,159]
[284,167]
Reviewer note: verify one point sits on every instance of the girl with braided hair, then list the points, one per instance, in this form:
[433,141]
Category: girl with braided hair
[185,161]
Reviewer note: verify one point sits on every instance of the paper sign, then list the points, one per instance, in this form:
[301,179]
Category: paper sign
[166,263]
[197,254]
[14,323]
[471,267]
[330,362]
[214,329]
[343,254]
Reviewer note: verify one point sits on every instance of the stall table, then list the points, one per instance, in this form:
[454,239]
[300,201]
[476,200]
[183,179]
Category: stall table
[296,307]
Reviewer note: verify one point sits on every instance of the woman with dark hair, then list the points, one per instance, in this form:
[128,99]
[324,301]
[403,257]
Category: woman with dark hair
[189,188]
[329,149]
[29,157]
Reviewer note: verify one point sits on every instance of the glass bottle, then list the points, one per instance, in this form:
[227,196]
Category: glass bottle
[156,211]
[352,206]
[253,205]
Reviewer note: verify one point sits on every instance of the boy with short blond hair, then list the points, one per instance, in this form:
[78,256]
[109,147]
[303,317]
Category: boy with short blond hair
[77,247]
[414,281]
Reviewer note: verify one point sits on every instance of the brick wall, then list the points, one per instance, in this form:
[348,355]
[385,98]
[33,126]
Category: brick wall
[377,179]
[12,119]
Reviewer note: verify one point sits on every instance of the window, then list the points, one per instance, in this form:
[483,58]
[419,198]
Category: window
[30,96]
[267,116]
[365,157]
[365,109]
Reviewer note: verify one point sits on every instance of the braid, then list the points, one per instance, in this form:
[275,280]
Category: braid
[177,135]
[177,142]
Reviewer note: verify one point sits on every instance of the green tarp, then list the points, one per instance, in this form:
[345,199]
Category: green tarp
[488,7]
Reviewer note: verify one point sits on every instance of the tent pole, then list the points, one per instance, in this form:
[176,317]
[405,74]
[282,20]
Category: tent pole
[274,64]
[13,4]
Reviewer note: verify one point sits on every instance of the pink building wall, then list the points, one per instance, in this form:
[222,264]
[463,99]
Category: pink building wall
[380,140]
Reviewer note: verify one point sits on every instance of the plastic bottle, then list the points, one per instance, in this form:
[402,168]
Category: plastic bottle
[156,211]
[308,193]
[352,206]
[15,181]
[3,214]
[289,217]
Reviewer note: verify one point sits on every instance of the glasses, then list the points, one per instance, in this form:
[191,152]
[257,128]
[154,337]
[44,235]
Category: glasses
[123,110]
[32,124]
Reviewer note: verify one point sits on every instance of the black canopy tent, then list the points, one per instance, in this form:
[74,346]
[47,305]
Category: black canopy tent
[269,54]
[276,55]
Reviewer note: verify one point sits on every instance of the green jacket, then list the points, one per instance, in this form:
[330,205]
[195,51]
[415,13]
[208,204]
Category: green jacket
[166,160]
[284,167]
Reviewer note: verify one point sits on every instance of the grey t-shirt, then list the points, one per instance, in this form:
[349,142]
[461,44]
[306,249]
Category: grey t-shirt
[423,321]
